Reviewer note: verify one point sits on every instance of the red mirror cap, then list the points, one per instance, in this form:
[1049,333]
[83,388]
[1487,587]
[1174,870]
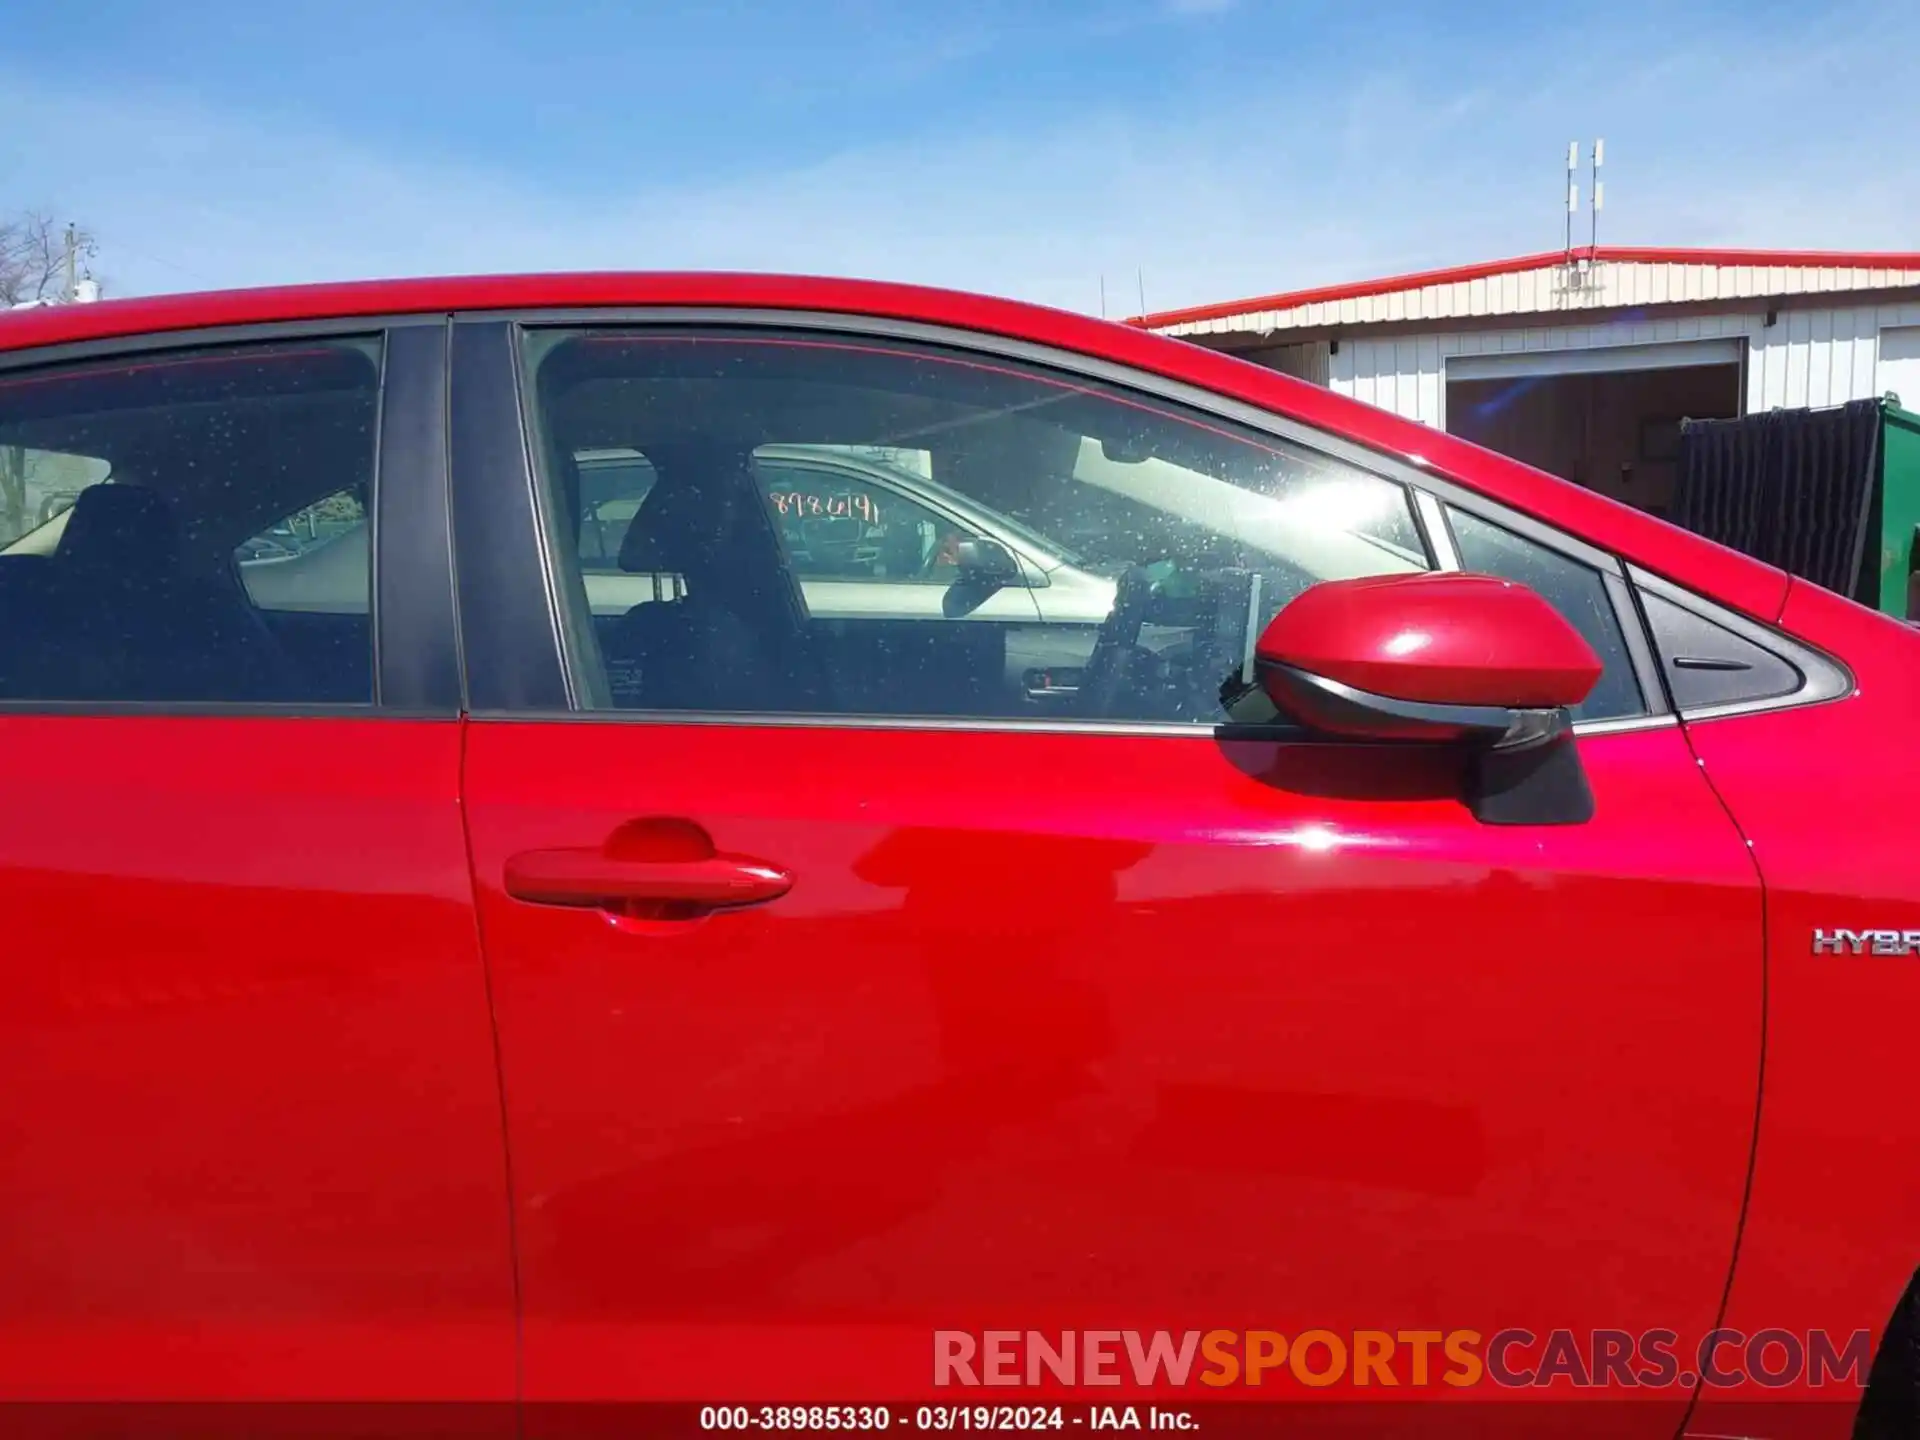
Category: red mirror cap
[1439,638]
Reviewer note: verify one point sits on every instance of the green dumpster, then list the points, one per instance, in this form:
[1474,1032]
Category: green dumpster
[1899,510]
[1831,495]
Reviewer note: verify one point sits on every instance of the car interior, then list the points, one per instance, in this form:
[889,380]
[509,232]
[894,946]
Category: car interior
[1188,591]
[135,590]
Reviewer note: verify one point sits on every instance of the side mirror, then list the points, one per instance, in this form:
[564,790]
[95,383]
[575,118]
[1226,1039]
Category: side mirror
[984,562]
[1446,658]
[1124,451]
[986,568]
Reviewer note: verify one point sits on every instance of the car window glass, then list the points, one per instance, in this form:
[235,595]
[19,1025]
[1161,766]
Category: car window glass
[1575,590]
[37,486]
[1051,548]
[307,528]
[310,575]
[190,527]
[612,483]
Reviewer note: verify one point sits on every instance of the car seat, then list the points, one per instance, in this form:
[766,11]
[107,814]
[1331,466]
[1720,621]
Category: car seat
[732,637]
[121,620]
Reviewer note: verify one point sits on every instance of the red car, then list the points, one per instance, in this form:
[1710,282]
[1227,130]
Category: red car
[1422,896]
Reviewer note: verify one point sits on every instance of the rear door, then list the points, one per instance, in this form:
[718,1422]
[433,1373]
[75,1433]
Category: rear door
[887,1001]
[250,1141]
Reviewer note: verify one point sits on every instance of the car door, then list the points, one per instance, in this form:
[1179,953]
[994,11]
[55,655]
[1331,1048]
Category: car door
[839,1010]
[250,1143]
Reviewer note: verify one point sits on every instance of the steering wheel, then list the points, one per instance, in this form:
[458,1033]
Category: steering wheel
[1117,645]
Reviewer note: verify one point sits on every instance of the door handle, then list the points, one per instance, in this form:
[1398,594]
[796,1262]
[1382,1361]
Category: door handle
[666,888]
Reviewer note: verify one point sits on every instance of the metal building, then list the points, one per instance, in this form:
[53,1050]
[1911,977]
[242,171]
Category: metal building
[1584,362]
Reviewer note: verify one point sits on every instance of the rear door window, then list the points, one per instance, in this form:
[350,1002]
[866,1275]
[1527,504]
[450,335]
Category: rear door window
[37,486]
[190,527]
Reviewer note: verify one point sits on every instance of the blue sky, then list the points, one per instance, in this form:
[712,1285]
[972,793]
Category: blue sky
[1026,147]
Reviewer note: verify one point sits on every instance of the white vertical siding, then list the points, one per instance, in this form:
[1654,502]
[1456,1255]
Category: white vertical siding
[1836,359]
[1806,357]
[1899,370]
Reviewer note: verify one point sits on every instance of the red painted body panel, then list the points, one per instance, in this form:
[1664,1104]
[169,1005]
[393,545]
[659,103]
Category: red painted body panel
[1447,639]
[1726,575]
[1828,797]
[249,1114]
[1059,1030]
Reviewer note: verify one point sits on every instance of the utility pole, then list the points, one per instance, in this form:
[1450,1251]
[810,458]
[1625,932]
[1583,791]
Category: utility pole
[73,255]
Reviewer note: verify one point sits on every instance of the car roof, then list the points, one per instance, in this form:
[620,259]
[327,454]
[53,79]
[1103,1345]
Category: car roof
[1728,576]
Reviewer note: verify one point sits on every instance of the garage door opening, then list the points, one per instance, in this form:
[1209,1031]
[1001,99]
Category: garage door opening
[1614,431]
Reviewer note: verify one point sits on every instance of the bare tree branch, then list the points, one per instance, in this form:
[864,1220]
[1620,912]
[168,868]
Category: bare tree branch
[33,257]
[33,266]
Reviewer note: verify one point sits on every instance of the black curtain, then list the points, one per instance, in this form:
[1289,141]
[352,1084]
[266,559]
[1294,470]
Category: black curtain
[1795,488]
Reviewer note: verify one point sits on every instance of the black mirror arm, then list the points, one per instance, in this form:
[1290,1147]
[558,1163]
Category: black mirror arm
[1524,767]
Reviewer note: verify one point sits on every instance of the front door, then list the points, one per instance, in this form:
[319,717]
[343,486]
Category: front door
[859,996]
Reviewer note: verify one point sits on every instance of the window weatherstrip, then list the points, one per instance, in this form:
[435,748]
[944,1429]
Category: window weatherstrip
[1633,629]
[1432,517]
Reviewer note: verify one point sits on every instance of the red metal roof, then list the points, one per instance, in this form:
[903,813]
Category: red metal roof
[1635,254]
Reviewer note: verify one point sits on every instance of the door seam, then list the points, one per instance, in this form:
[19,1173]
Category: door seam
[500,1092]
[1760,1077]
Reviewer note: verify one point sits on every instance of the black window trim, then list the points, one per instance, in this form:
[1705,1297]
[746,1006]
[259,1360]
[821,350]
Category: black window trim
[1429,490]
[417,662]
[1823,677]
[414,639]
[517,653]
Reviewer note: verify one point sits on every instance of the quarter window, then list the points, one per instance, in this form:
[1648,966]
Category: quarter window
[191,527]
[866,528]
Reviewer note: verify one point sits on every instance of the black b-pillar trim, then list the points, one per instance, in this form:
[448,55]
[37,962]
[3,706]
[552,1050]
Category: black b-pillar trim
[509,631]
[416,643]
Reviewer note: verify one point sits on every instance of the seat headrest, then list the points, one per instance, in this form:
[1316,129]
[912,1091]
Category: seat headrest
[700,514]
[120,528]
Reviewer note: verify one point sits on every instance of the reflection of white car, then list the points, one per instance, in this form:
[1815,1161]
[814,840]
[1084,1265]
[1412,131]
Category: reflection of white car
[859,584]
[873,540]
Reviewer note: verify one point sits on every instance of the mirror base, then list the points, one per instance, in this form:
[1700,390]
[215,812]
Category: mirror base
[1538,785]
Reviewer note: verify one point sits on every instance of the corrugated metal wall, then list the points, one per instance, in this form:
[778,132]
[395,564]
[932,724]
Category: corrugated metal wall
[1807,357]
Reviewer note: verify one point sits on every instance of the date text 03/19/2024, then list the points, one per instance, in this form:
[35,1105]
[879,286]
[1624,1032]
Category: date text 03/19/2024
[943,1418]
